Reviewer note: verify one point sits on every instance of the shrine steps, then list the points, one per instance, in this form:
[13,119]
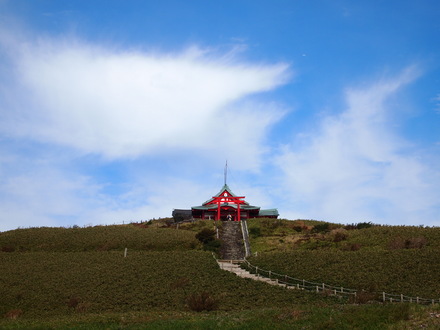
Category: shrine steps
[231,237]
[234,267]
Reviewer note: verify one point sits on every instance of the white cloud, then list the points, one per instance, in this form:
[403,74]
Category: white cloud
[131,103]
[355,167]
[68,99]
[42,197]
[41,191]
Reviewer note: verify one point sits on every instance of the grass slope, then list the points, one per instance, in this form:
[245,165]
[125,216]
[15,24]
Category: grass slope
[99,238]
[77,278]
[64,283]
[409,272]
[394,259]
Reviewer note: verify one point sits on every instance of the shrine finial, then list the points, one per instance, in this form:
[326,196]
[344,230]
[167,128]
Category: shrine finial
[226,171]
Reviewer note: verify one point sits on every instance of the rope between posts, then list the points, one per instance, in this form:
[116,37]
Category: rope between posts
[334,290]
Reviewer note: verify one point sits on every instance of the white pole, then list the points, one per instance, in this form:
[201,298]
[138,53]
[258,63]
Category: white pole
[125,253]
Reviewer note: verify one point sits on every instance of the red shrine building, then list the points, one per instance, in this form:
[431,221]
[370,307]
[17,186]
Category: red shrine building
[225,206]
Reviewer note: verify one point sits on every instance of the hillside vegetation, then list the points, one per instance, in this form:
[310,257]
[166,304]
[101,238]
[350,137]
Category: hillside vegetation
[287,235]
[79,277]
[394,259]
[99,238]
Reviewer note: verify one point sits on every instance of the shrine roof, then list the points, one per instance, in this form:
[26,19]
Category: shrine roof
[215,206]
[268,212]
[224,189]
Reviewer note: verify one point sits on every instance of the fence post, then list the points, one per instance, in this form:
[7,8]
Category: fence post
[383,296]
[342,289]
[401,297]
[270,272]
[256,270]
[323,286]
[125,253]
[417,299]
[317,288]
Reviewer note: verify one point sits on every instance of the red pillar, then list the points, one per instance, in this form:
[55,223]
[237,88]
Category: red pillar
[218,210]
[238,212]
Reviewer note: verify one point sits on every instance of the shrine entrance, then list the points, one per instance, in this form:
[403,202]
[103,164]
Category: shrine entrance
[228,207]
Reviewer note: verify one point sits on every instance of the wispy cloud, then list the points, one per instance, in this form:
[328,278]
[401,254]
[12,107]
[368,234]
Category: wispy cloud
[43,189]
[34,194]
[131,103]
[66,101]
[355,167]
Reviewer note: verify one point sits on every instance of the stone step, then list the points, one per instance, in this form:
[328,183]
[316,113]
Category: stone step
[232,241]
[234,268]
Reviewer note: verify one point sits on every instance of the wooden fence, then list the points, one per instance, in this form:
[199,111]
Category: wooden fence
[302,284]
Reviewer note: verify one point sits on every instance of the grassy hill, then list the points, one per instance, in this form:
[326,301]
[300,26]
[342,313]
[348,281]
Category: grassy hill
[395,259]
[79,277]
[99,238]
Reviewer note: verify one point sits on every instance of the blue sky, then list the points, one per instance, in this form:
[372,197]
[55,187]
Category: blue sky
[115,111]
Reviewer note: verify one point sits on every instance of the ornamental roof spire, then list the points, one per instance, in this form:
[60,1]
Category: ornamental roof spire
[226,171]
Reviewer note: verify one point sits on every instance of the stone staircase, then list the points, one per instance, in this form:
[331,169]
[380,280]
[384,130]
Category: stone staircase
[232,241]
[235,268]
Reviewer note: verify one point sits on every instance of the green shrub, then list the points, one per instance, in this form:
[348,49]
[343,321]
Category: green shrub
[338,235]
[8,248]
[316,244]
[409,243]
[213,245]
[351,247]
[321,228]
[13,314]
[363,225]
[363,297]
[206,235]
[203,301]
[73,302]
[255,232]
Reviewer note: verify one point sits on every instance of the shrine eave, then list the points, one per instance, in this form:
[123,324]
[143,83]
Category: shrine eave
[268,213]
[223,205]
[215,207]
[220,193]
